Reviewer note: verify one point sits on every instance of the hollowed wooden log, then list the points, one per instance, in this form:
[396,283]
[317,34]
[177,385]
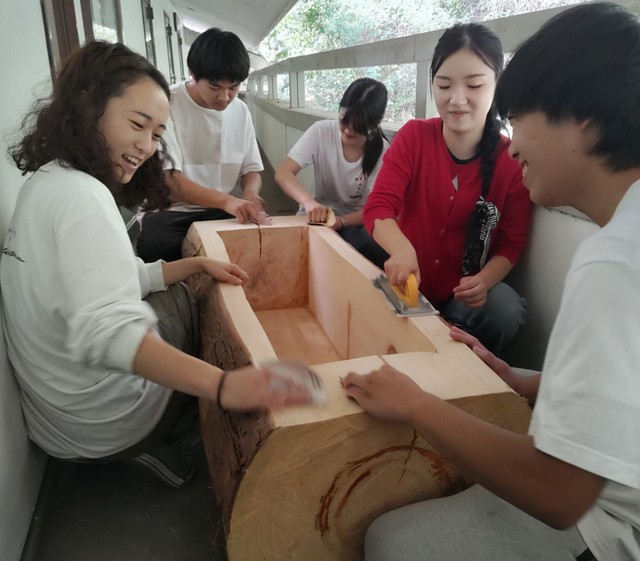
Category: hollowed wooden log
[305,482]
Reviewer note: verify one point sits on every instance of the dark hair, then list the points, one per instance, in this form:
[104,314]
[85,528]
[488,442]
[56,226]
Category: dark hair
[218,55]
[485,44]
[364,102]
[64,126]
[582,65]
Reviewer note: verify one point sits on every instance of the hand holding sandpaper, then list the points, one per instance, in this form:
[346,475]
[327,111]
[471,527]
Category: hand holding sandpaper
[285,372]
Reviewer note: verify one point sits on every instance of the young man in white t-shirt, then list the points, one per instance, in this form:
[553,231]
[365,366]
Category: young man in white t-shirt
[570,489]
[211,139]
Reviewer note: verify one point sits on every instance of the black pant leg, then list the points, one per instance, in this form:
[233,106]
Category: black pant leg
[162,232]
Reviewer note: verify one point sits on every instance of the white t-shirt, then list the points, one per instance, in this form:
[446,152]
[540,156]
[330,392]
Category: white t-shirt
[213,148]
[74,318]
[588,408]
[339,184]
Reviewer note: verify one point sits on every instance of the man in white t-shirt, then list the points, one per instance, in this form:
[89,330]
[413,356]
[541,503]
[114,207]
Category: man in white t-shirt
[211,139]
[570,489]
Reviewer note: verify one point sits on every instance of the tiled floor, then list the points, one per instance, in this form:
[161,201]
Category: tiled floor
[121,512]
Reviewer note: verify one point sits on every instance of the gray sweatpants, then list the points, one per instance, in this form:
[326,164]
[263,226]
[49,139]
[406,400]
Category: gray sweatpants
[474,525]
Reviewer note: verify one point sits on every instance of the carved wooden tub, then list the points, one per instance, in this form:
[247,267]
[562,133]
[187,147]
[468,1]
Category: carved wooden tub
[304,483]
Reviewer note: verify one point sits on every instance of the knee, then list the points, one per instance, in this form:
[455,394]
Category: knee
[161,236]
[507,307]
[178,317]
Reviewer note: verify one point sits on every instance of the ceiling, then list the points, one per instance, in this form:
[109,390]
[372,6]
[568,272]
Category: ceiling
[251,20]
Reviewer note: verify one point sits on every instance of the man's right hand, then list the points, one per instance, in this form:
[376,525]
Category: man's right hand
[246,211]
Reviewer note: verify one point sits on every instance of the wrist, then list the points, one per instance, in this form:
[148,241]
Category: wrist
[306,203]
[343,222]
[199,264]
[223,376]
[417,407]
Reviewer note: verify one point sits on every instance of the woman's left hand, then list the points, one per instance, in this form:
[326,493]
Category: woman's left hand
[224,272]
[472,291]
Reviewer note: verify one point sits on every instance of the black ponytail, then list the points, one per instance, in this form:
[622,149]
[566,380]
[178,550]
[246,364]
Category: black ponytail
[372,150]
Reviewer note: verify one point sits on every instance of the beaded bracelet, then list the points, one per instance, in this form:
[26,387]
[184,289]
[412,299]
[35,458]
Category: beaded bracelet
[220,384]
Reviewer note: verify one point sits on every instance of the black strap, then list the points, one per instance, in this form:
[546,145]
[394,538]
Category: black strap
[586,555]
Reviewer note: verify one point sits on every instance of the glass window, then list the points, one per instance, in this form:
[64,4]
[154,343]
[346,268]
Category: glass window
[168,31]
[106,20]
[147,23]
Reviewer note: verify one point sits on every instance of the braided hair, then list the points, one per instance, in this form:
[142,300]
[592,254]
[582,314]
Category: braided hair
[485,44]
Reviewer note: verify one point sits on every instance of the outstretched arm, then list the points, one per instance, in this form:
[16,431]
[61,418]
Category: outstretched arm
[251,183]
[402,256]
[504,462]
[185,190]
[526,386]
[182,269]
[244,389]
[286,178]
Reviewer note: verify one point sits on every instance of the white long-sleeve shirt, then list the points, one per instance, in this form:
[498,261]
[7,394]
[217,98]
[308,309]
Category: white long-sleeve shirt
[74,318]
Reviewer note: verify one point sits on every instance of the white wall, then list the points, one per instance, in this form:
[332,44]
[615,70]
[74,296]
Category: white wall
[21,464]
[539,277]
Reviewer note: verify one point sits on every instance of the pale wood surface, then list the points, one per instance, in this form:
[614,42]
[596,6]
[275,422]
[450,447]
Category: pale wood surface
[305,482]
[296,335]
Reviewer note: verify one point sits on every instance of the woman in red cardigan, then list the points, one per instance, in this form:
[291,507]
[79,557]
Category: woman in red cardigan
[449,204]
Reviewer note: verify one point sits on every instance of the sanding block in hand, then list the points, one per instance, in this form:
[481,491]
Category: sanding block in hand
[329,221]
[407,300]
[297,373]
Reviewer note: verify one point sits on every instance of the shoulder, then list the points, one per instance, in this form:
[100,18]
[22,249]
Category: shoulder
[418,134]
[617,240]
[237,107]
[325,126]
[236,114]
[65,179]
[421,128]
[63,194]
[178,92]
[320,131]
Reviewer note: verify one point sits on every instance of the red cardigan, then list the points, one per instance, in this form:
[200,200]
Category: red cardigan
[415,187]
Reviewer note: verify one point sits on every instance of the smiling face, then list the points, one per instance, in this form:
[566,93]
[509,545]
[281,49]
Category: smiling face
[132,125]
[213,95]
[554,158]
[463,90]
